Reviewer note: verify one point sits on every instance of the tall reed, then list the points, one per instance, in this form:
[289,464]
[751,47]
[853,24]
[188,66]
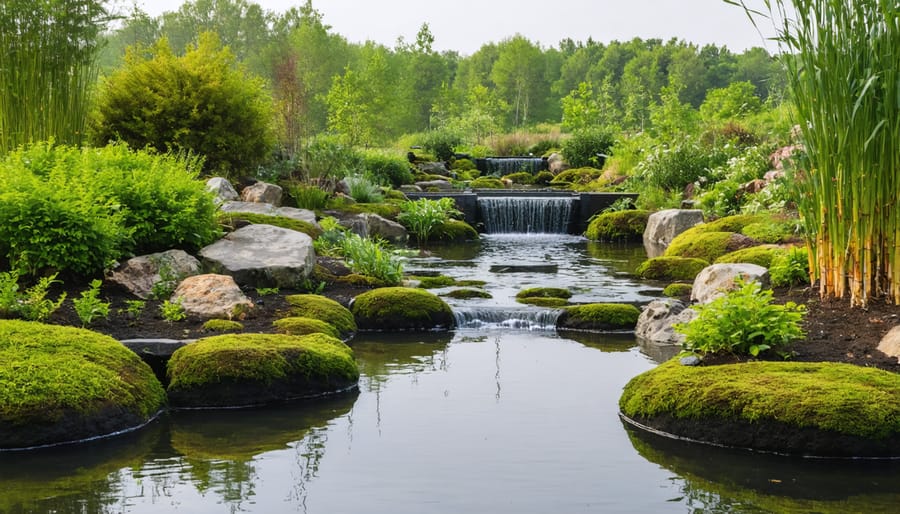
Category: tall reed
[843,64]
[48,51]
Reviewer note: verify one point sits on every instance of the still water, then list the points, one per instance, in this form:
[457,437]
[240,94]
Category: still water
[477,420]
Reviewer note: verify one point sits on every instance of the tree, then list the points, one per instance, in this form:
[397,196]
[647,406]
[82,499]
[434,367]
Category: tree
[349,114]
[735,101]
[518,76]
[201,102]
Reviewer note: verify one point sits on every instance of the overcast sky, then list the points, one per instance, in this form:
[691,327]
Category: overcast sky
[464,25]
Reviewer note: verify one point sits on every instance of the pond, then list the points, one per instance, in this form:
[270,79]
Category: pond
[487,419]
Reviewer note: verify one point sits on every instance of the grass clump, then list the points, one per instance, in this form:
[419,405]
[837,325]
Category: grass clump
[300,326]
[222,325]
[627,225]
[671,268]
[323,309]
[599,316]
[401,308]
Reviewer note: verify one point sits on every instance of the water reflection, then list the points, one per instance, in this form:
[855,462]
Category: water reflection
[724,480]
[605,342]
[659,352]
[381,354]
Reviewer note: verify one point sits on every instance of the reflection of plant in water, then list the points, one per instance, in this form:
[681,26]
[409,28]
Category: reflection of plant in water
[232,480]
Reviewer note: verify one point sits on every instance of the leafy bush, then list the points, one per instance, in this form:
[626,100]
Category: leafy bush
[674,167]
[743,322]
[583,147]
[441,143]
[789,268]
[388,169]
[308,196]
[423,216]
[201,103]
[364,190]
[326,161]
[89,307]
[369,258]
[172,310]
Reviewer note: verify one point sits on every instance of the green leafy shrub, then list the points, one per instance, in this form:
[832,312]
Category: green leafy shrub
[32,304]
[625,225]
[743,322]
[462,165]
[172,310]
[89,307]
[308,196]
[423,216]
[370,258]
[364,190]
[201,103]
[582,148]
[388,169]
[441,143]
[789,268]
[326,160]
[671,168]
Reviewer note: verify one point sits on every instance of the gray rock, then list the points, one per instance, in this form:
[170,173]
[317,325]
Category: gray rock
[656,321]
[556,164]
[249,207]
[441,185]
[690,360]
[262,256]
[223,189]
[373,225]
[297,214]
[433,168]
[262,192]
[212,296]
[663,226]
[890,343]
[716,280]
[410,188]
[139,274]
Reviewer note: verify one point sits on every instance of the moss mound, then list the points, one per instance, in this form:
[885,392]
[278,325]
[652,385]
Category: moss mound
[734,223]
[520,177]
[300,326]
[538,301]
[223,325]
[427,282]
[618,226]
[63,384]
[708,246]
[579,176]
[544,292]
[325,309]
[487,183]
[248,369]
[671,268]
[677,290]
[466,293]
[401,308]
[599,316]
[231,219]
[759,255]
[454,231]
[826,409]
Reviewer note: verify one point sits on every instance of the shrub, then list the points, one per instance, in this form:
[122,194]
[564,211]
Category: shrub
[583,147]
[369,258]
[172,310]
[462,165]
[33,304]
[201,103]
[441,143]
[789,268]
[326,161]
[674,167]
[743,322]
[388,169]
[89,307]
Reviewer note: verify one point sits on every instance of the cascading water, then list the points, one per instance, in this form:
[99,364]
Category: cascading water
[526,215]
[506,318]
[505,165]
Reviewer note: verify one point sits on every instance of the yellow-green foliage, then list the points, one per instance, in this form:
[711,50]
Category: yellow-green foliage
[671,268]
[324,309]
[465,294]
[260,360]
[222,325]
[677,289]
[843,398]
[401,308]
[300,326]
[229,218]
[759,255]
[577,176]
[462,164]
[600,316]
[487,183]
[770,231]
[541,301]
[734,223]
[626,225]
[49,372]
[454,231]
[388,209]
[544,292]
[708,246]
[521,177]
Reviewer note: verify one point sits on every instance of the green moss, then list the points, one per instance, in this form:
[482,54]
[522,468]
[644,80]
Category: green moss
[465,294]
[708,246]
[770,231]
[387,210]
[599,316]
[222,325]
[677,290]
[521,177]
[487,183]
[626,225]
[433,282]
[393,308]
[550,303]
[842,398]
[759,255]
[734,223]
[229,219]
[300,326]
[324,309]
[671,268]
[52,374]
[576,176]
[454,231]
[462,164]
[236,369]
[544,292]
[470,283]
[355,279]
[543,178]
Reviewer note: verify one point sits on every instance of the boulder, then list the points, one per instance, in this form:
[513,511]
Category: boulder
[556,164]
[297,214]
[223,189]
[139,274]
[441,185]
[663,226]
[373,225]
[656,321]
[250,207]
[890,343]
[262,256]
[401,308]
[433,168]
[262,192]
[410,188]
[716,280]
[212,296]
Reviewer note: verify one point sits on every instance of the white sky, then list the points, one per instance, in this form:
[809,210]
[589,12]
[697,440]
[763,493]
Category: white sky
[464,25]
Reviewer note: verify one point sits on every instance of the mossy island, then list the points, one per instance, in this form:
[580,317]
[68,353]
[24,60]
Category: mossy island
[401,308]
[599,317]
[65,384]
[323,309]
[813,409]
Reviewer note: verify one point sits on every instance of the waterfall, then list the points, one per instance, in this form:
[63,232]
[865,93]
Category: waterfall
[500,166]
[545,215]
[506,318]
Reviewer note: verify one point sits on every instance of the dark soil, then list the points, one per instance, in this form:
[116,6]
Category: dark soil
[835,332]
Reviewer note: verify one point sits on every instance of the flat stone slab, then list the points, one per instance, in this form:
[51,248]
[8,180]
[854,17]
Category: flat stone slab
[525,268]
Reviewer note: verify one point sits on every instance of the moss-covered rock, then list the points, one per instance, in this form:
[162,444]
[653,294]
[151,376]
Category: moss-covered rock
[734,223]
[388,210]
[760,255]
[232,219]
[677,290]
[453,231]
[325,309]
[770,231]
[401,308]
[543,178]
[487,183]
[599,316]
[300,326]
[708,246]
[61,384]
[540,301]
[670,268]
[520,177]
[826,409]
[626,225]
[466,293]
[223,325]
[544,292]
[429,282]
[249,369]
[578,176]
